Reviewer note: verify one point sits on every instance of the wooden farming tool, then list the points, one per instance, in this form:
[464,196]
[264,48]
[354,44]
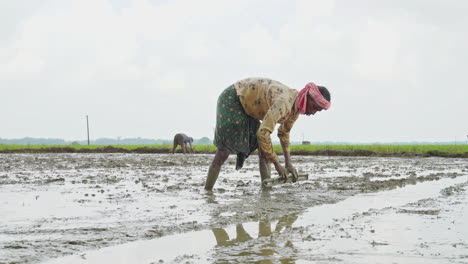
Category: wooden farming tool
[268,183]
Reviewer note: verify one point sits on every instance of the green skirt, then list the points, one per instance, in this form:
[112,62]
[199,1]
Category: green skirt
[236,131]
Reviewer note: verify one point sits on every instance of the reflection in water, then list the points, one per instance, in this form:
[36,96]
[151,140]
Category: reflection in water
[210,197]
[222,237]
[262,249]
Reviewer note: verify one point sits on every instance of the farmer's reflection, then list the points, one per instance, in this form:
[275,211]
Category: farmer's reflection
[264,230]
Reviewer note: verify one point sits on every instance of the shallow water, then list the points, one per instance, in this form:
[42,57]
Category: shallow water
[200,245]
[147,208]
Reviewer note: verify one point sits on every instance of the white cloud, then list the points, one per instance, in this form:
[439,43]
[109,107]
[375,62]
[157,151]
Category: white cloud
[376,54]
[129,66]
[259,48]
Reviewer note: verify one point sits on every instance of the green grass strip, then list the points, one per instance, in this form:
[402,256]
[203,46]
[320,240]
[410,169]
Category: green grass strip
[384,149]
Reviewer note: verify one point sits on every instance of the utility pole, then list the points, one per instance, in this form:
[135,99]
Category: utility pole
[87,126]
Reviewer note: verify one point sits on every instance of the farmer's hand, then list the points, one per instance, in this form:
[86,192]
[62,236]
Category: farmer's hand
[282,171]
[293,171]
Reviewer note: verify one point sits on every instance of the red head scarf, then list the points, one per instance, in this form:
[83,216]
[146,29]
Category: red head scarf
[314,92]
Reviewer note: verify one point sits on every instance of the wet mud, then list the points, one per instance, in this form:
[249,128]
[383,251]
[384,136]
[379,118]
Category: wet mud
[96,207]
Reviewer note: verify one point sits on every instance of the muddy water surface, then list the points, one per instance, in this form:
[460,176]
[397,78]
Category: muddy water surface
[151,208]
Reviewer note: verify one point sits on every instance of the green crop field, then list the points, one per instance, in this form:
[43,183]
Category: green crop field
[387,149]
[384,149]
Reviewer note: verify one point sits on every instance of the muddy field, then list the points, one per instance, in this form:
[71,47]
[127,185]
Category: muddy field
[151,208]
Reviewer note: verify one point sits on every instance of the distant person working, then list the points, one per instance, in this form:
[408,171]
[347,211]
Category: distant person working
[182,140]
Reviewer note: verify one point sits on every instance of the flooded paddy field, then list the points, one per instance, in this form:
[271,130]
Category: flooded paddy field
[152,208]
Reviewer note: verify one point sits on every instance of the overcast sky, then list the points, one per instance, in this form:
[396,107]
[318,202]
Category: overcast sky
[396,69]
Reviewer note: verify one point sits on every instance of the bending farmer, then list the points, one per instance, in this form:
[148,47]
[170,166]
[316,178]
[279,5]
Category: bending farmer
[240,108]
[182,140]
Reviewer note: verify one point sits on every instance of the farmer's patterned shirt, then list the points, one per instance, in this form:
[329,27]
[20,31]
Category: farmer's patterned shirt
[272,102]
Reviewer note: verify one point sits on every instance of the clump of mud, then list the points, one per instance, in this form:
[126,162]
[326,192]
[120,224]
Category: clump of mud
[421,211]
[452,190]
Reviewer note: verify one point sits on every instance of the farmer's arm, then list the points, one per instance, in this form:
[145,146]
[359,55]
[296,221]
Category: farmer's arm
[190,142]
[283,135]
[276,111]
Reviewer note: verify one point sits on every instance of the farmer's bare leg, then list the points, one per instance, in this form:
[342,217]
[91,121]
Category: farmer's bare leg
[215,167]
[175,146]
[265,167]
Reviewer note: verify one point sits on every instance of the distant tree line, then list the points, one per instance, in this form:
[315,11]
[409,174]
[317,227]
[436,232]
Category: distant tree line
[99,141]
[34,141]
[200,141]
